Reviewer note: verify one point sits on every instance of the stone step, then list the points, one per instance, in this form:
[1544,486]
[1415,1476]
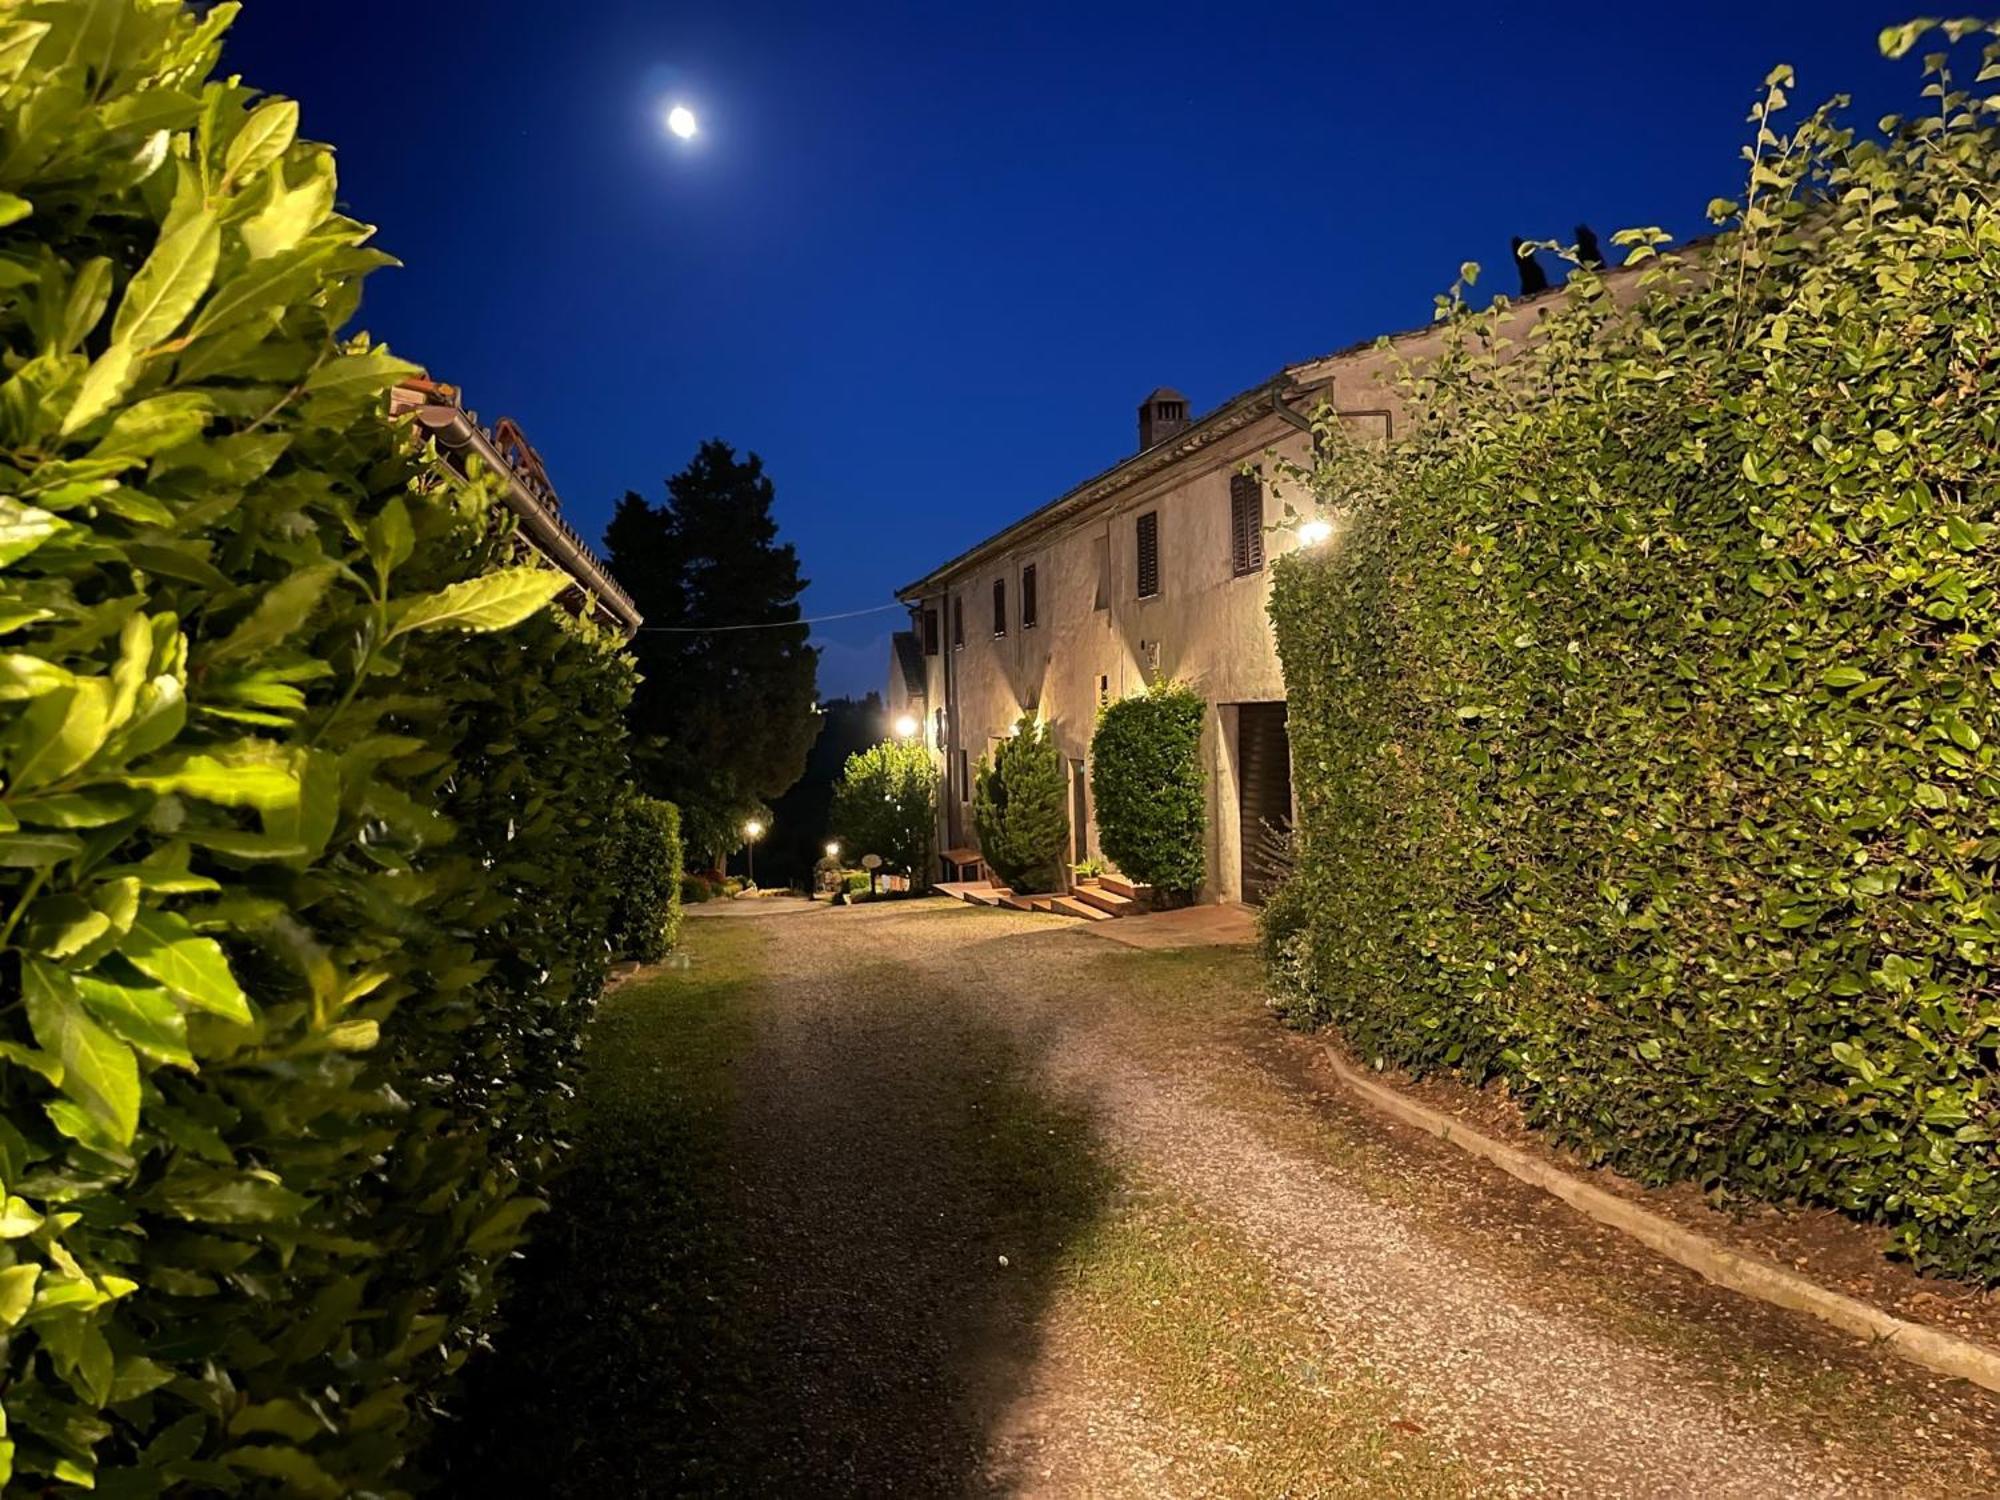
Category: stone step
[1118,885]
[1109,902]
[1069,906]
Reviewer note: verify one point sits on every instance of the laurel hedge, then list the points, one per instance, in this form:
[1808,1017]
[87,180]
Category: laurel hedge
[1152,800]
[1645,719]
[646,886]
[303,867]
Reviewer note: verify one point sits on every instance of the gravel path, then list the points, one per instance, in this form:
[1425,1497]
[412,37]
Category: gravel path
[1536,1353]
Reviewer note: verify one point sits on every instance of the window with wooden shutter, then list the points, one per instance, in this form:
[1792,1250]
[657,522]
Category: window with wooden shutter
[1029,604]
[930,632]
[999,607]
[1149,554]
[1246,524]
[957,622]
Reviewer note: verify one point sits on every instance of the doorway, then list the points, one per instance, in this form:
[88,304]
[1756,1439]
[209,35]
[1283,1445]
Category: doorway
[1263,794]
[1079,814]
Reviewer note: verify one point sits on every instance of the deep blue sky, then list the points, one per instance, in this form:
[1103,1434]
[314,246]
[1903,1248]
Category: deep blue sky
[926,258]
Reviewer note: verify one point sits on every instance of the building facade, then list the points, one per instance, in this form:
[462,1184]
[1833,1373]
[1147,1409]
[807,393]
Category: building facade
[1157,569]
[441,415]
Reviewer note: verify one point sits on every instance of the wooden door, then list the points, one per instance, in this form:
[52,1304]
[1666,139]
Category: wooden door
[1263,791]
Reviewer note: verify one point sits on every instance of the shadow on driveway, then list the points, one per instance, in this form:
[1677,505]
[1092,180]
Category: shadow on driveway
[814,1216]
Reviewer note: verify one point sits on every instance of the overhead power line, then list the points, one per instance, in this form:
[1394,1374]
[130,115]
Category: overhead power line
[766,624]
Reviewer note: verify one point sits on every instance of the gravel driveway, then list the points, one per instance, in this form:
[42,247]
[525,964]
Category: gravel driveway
[1028,1213]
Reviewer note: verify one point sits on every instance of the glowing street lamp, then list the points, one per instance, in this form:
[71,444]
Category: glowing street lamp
[752,831]
[681,121]
[906,727]
[1314,532]
[833,850]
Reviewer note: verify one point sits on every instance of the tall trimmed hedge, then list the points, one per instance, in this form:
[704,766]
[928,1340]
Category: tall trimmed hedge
[1645,722]
[1152,800]
[1019,808]
[303,802]
[646,858]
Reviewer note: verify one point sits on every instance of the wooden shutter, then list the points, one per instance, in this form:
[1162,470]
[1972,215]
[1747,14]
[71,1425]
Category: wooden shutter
[1149,554]
[1028,601]
[1246,524]
[957,620]
[930,632]
[999,606]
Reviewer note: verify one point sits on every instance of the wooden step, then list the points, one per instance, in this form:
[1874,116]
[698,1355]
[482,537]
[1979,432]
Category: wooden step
[1042,903]
[1069,906]
[988,895]
[1109,902]
[1118,885]
[1016,903]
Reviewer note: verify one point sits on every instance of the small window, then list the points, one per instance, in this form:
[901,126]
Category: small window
[1246,524]
[1104,690]
[1100,550]
[999,607]
[930,632]
[1149,554]
[1029,604]
[957,622]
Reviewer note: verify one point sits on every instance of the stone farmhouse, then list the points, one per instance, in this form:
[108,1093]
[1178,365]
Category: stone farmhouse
[1157,568]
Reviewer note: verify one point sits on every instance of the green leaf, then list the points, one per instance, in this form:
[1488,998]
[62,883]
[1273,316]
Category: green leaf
[143,1016]
[263,138]
[1895,41]
[163,947]
[366,374]
[89,295]
[17,1292]
[246,773]
[169,284]
[99,1071]
[495,601]
[23,528]
[282,610]
[110,377]
[215,1198]
[32,851]
[59,732]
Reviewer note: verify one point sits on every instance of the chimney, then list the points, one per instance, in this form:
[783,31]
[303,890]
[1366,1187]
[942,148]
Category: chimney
[1161,415]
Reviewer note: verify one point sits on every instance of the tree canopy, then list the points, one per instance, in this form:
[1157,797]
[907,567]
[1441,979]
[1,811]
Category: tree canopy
[724,715]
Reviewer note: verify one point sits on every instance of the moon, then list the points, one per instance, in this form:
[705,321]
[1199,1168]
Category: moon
[681,121]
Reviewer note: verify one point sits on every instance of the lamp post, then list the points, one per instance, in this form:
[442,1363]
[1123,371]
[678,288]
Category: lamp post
[752,831]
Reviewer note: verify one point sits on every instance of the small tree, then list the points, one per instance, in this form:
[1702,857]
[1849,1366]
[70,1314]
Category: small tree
[1020,811]
[886,804]
[1151,801]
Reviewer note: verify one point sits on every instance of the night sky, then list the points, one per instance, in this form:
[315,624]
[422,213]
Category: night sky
[926,259]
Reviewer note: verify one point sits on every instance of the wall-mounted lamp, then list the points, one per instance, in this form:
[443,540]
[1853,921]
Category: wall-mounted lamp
[1313,532]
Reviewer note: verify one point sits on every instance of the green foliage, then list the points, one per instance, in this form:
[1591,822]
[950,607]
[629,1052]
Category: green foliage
[1020,810]
[723,719]
[302,886]
[1152,801]
[885,803]
[646,878]
[1646,721]
[695,890]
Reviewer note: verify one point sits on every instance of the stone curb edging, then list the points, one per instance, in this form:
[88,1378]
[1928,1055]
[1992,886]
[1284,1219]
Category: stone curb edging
[1751,1275]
